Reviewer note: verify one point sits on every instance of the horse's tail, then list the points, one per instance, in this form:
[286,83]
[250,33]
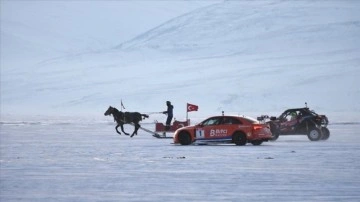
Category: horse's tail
[145,116]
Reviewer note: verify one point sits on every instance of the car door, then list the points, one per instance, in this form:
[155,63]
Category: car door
[212,129]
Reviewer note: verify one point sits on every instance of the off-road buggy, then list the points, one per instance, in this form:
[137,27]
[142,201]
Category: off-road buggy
[299,121]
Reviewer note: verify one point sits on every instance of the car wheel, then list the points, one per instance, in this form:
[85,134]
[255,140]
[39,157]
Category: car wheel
[184,138]
[239,138]
[314,134]
[256,142]
[325,133]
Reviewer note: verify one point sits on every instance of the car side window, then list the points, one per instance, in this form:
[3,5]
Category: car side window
[212,121]
[227,121]
[230,121]
[236,121]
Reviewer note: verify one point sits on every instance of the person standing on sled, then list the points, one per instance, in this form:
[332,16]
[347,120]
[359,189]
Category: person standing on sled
[169,113]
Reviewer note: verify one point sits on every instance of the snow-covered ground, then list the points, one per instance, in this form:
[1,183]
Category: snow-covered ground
[90,162]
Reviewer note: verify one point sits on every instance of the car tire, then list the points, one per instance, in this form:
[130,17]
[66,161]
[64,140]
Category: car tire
[184,138]
[256,142]
[314,134]
[239,138]
[325,133]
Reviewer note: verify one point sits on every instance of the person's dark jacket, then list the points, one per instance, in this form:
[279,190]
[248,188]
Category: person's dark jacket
[169,110]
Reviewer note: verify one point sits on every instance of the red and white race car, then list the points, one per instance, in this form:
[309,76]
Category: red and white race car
[224,129]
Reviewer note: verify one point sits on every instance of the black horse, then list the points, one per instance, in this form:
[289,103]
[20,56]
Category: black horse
[122,118]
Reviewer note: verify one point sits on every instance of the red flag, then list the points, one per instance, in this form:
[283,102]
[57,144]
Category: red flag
[191,107]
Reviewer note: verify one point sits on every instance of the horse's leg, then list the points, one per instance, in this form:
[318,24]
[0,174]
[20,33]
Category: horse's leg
[137,126]
[122,129]
[116,128]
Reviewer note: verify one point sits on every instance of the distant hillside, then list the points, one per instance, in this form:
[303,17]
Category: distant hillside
[245,27]
[235,56]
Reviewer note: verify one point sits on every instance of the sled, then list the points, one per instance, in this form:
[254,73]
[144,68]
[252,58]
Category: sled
[160,127]
[154,134]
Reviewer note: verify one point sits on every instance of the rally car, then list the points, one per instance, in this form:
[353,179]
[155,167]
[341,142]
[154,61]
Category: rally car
[238,130]
[300,121]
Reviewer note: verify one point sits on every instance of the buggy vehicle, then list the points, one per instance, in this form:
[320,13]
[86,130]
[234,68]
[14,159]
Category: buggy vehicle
[299,121]
[238,130]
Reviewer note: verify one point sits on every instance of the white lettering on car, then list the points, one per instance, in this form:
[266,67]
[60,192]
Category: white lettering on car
[218,132]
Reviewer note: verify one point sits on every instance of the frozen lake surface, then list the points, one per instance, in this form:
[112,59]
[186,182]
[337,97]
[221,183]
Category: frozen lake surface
[90,162]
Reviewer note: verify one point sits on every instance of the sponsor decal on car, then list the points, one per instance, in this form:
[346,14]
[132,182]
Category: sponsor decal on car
[200,133]
[218,132]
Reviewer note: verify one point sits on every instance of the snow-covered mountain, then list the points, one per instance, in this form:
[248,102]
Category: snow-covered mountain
[246,57]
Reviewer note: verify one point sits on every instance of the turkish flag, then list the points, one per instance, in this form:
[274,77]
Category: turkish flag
[191,107]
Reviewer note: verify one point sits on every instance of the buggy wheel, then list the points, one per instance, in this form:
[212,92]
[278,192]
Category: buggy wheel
[239,138]
[256,142]
[274,133]
[274,136]
[314,134]
[325,133]
[184,138]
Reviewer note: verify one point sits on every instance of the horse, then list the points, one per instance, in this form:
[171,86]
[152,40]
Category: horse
[122,118]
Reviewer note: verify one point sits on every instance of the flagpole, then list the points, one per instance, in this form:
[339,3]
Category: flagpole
[122,106]
[187,120]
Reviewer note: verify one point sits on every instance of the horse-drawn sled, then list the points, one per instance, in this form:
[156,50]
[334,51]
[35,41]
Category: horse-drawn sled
[133,118]
[161,132]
